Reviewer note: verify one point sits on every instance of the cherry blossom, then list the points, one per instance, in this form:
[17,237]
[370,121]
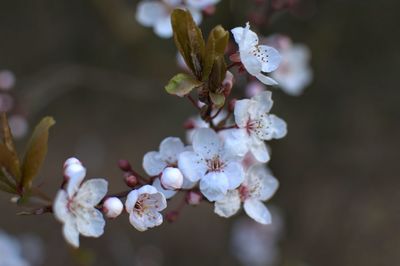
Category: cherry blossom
[144,206]
[157,14]
[294,74]
[75,208]
[259,185]
[257,59]
[255,125]
[209,162]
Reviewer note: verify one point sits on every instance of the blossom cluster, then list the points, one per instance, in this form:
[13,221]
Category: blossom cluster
[223,163]
[157,13]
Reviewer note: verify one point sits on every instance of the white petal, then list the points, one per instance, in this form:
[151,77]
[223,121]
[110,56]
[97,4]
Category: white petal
[167,193]
[153,163]
[131,200]
[269,56]
[279,127]
[92,192]
[235,174]
[147,189]
[148,220]
[187,184]
[90,222]
[76,173]
[257,211]
[229,205]
[71,233]
[264,102]
[60,206]
[241,112]
[156,201]
[192,165]
[244,37]
[251,63]
[172,178]
[206,143]
[214,185]
[137,221]
[170,149]
[148,12]
[163,27]
[236,142]
[259,150]
[261,183]
[265,79]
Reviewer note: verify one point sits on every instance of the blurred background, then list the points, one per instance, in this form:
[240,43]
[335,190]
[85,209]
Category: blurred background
[101,75]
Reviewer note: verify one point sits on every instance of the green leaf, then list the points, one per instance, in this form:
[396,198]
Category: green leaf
[182,84]
[217,75]
[14,164]
[217,99]
[36,151]
[7,162]
[216,45]
[189,40]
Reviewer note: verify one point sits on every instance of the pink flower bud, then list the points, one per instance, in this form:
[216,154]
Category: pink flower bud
[130,180]
[124,165]
[171,178]
[193,198]
[112,207]
[172,216]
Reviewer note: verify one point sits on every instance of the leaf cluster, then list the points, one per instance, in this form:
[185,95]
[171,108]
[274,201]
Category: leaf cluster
[17,174]
[204,59]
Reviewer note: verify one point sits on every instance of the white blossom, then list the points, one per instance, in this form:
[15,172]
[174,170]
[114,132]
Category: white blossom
[157,14]
[144,206]
[154,162]
[112,207]
[255,125]
[201,4]
[258,186]
[294,74]
[255,244]
[75,207]
[209,162]
[257,59]
[11,251]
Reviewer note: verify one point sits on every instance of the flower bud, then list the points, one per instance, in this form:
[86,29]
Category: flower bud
[172,216]
[112,207]
[227,83]
[124,165]
[171,178]
[130,180]
[193,197]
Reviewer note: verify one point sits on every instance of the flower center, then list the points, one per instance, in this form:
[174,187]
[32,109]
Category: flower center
[244,193]
[215,164]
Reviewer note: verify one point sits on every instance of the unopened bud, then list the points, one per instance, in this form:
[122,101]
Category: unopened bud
[130,180]
[193,198]
[124,165]
[171,216]
[189,124]
[171,178]
[227,83]
[112,207]
[209,10]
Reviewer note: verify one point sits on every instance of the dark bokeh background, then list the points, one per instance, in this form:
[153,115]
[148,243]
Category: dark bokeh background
[101,75]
